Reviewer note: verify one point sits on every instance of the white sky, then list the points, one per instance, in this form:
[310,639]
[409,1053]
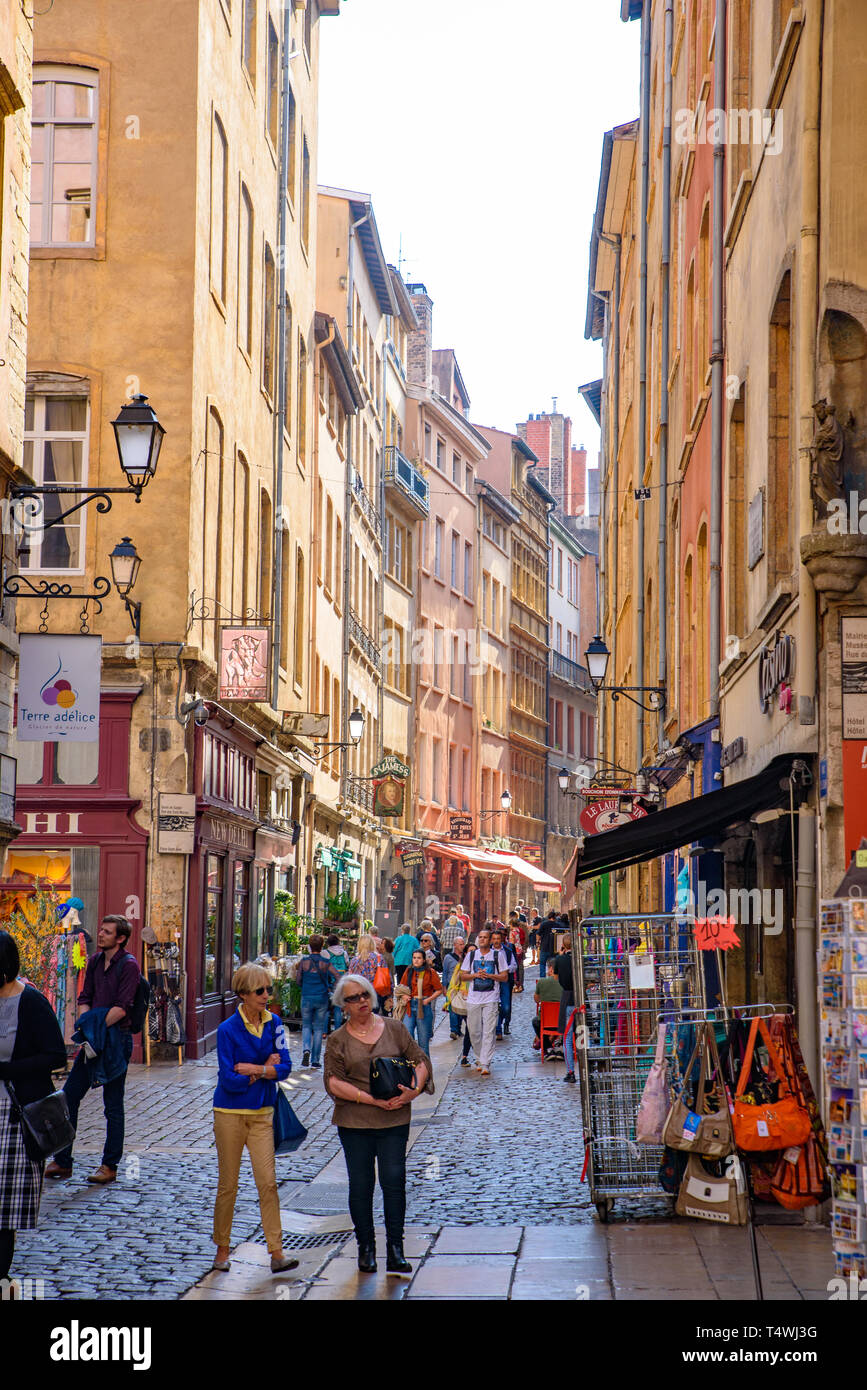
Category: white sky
[477,127]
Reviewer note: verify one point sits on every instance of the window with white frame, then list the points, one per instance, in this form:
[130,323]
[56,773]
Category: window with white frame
[55,451]
[64,156]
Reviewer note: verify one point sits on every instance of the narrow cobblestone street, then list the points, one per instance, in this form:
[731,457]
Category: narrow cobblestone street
[496,1207]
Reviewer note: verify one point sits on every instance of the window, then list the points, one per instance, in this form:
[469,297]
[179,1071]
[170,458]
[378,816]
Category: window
[453,777]
[248,40]
[468,479]
[292,122]
[559,570]
[455,668]
[285,577]
[272,98]
[245,272]
[55,451]
[308,29]
[456,469]
[240,914]
[495,605]
[467,678]
[455,562]
[64,156]
[438,549]
[287,376]
[486,579]
[265,541]
[441,454]
[213,971]
[219,194]
[570,730]
[438,655]
[301,442]
[436,768]
[427,443]
[468,569]
[305,193]
[241,553]
[268,324]
[299,616]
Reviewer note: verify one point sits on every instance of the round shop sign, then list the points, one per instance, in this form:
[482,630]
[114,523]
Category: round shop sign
[606,815]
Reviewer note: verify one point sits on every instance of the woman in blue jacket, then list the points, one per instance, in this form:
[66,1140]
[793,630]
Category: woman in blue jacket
[253,1056]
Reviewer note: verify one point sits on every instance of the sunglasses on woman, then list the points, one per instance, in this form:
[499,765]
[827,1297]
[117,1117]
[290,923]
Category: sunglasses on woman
[353,998]
[263,990]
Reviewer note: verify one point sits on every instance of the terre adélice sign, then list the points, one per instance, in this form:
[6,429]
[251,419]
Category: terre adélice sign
[58,687]
[606,815]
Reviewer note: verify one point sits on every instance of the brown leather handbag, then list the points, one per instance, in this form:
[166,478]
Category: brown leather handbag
[691,1130]
[710,1198]
[781,1124]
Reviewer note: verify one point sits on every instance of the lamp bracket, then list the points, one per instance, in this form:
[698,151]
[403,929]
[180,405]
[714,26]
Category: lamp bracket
[101,496]
[655,695]
[202,610]
[22,586]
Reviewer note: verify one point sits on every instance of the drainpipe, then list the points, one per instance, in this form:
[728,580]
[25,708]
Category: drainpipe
[642,367]
[315,537]
[604,527]
[615,242]
[662,578]
[805,941]
[808,295]
[717,359]
[347,495]
[280,413]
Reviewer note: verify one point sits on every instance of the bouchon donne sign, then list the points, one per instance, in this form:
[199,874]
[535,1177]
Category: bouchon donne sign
[58,688]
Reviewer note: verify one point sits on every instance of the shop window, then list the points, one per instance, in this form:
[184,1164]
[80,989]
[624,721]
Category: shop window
[77,764]
[240,914]
[213,973]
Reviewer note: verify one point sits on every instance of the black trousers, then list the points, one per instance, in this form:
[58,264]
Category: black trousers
[386,1148]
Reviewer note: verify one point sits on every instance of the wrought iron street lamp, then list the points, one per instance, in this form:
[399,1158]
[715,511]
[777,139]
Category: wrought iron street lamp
[356,730]
[139,437]
[125,564]
[597,657]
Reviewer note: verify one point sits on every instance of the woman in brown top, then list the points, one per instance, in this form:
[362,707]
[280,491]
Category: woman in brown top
[372,1131]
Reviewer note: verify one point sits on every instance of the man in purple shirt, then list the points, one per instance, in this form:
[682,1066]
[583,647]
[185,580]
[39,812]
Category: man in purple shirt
[110,982]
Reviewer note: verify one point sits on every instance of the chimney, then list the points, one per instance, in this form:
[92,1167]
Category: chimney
[419,351]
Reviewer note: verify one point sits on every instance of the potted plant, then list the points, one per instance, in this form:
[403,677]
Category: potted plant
[340,909]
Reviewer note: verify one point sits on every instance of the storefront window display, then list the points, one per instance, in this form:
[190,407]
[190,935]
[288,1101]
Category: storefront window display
[240,915]
[213,918]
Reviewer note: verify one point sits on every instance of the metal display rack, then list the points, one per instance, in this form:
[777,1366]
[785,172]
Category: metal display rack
[629,971]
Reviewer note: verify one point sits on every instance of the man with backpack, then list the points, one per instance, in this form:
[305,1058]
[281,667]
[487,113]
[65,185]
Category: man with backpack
[115,997]
[336,955]
[317,977]
[486,970]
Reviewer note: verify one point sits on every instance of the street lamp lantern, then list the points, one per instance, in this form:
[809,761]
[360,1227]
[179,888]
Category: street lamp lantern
[139,436]
[125,563]
[563,779]
[506,800]
[356,725]
[597,657]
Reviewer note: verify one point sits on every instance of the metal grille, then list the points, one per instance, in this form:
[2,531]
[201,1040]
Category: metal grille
[309,1242]
[616,1045]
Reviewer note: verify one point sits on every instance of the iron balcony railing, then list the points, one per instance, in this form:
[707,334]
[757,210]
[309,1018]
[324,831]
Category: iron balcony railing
[564,669]
[359,492]
[355,789]
[400,473]
[363,640]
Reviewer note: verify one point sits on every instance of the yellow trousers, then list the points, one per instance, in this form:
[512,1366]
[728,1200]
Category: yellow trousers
[255,1132]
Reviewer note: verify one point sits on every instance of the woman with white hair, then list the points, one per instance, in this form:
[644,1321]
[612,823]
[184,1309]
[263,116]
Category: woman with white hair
[366,962]
[373,1131]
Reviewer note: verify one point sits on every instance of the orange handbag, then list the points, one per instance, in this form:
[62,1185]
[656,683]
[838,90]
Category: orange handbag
[780,1124]
[799,1180]
[382,981]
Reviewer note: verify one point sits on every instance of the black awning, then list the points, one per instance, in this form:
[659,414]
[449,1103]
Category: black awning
[697,819]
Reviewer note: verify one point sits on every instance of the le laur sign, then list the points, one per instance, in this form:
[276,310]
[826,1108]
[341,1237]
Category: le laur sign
[58,688]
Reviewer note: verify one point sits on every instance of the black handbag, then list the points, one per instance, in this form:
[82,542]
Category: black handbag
[45,1124]
[387,1075]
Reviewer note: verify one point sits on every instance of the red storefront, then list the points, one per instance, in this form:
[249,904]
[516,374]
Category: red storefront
[79,835]
[221,920]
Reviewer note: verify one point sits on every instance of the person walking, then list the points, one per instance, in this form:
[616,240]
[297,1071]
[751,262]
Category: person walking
[451,962]
[317,976]
[533,940]
[452,927]
[547,938]
[425,987]
[335,953]
[517,946]
[547,991]
[564,973]
[108,993]
[406,943]
[504,1016]
[431,953]
[366,963]
[252,1056]
[31,1048]
[486,970]
[372,1132]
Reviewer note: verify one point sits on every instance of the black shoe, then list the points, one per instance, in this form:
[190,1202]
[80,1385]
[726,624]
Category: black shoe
[317,1066]
[506,1029]
[367,1259]
[453,1037]
[465,1061]
[570,1077]
[395,1260]
[305,1060]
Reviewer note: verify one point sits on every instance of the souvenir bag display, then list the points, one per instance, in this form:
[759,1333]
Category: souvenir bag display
[763,1122]
[707,1129]
[655,1098]
[800,1178]
[713,1198]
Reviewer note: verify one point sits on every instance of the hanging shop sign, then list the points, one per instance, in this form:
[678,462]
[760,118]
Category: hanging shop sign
[533,854]
[607,815]
[323,857]
[776,669]
[390,766]
[58,688]
[304,724]
[176,832]
[388,796]
[244,663]
[732,751]
[411,854]
[460,827]
[853,650]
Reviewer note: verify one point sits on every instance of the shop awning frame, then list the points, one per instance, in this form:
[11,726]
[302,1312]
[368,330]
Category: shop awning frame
[700,818]
[494,861]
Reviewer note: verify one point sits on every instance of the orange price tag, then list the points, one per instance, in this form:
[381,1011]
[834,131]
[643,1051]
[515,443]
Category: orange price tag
[716,933]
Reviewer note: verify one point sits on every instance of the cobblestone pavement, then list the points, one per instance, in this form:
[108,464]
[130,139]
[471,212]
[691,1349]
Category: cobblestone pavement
[496,1207]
